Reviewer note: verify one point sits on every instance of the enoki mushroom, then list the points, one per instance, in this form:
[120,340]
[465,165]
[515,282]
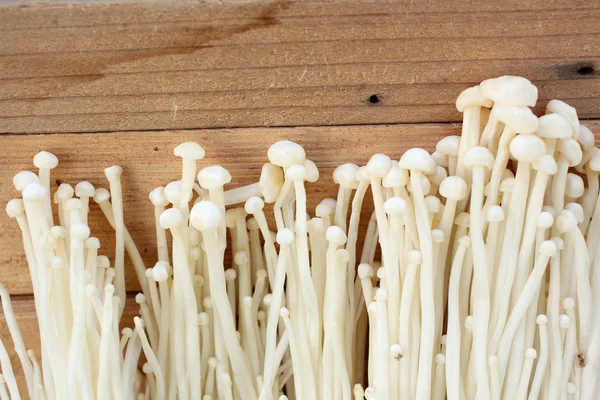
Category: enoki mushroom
[478,276]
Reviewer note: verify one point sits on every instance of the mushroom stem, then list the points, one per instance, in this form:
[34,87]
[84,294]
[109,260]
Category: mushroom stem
[453,354]
[530,355]
[273,318]
[540,369]
[547,249]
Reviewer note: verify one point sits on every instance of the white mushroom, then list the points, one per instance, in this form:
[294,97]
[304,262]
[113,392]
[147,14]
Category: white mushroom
[269,186]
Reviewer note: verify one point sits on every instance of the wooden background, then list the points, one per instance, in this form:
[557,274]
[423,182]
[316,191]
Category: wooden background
[123,83]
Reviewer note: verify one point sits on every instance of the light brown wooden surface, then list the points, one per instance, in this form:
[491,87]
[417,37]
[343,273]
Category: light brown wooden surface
[115,67]
[147,161]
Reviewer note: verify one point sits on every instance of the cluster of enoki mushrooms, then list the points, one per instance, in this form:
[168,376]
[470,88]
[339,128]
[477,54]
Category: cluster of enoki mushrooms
[478,278]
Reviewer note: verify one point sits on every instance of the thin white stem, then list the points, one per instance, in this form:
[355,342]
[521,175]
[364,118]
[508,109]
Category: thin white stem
[540,369]
[152,360]
[453,356]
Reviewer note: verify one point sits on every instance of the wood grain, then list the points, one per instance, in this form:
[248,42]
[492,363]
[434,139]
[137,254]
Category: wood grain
[117,67]
[147,161]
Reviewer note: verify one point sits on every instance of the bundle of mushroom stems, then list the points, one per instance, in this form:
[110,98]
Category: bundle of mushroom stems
[478,276]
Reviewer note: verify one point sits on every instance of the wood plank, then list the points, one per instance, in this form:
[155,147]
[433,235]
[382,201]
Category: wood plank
[116,67]
[24,309]
[147,161]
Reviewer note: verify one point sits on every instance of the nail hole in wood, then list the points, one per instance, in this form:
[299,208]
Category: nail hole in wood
[374,99]
[586,70]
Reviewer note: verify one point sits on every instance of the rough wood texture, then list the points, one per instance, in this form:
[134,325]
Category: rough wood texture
[147,160]
[116,67]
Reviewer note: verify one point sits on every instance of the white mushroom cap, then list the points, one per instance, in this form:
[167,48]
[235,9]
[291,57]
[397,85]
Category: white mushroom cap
[296,172]
[545,220]
[440,159]
[453,188]
[577,210]
[45,160]
[157,197]
[362,175]
[527,148]
[65,191]
[345,176]
[434,204]
[554,126]
[439,176]
[342,256]
[462,219]
[286,153]
[85,189]
[541,319]
[59,231]
[381,294]
[448,146]
[495,213]
[358,390]
[548,248]
[510,90]
[24,178]
[15,207]
[379,165]
[171,218]
[113,173]
[365,270]
[312,171]
[566,111]
[160,272]
[546,164]
[285,236]
[92,243]
[531,353]
[336,235]
[560,244]
[566,221]
[417,159]
[507,185]
[316,224]
[520,119]
[564,321]
[173,192]
[396,177]
[254,204]
[594,163]
[101,195]
[586,137]
[213,177]
[34,192]
[241,258]
[103,262]
[252,224]
[472,97]
[80,231]
[571,150]
[574,187]
[479,156]
[189,150]
[395,206]
[205,216]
